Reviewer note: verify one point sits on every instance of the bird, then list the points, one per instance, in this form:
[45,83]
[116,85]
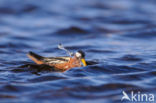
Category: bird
[60,63]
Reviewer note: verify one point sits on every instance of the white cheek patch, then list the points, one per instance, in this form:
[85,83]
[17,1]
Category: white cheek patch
[78,54]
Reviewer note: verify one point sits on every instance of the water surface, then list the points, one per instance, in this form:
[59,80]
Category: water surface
[119,35]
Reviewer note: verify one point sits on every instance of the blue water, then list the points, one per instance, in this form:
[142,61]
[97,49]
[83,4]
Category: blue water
[118,36]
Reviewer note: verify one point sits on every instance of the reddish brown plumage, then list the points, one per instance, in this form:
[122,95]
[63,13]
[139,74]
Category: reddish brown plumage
[35,59]
[73,62]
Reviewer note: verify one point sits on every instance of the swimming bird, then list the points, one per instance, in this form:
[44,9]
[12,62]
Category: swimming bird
[60,63]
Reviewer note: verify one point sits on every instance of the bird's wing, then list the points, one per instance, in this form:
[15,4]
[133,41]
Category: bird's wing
[56,60]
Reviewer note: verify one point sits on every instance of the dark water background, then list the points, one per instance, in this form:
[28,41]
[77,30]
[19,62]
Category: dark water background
[120,35]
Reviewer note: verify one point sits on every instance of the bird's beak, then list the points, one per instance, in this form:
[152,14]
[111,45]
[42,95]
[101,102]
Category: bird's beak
[83,62]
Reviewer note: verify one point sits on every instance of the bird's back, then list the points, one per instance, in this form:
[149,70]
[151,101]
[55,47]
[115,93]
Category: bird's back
[47,60]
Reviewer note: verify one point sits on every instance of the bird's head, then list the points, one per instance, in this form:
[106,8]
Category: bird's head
[81,55]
